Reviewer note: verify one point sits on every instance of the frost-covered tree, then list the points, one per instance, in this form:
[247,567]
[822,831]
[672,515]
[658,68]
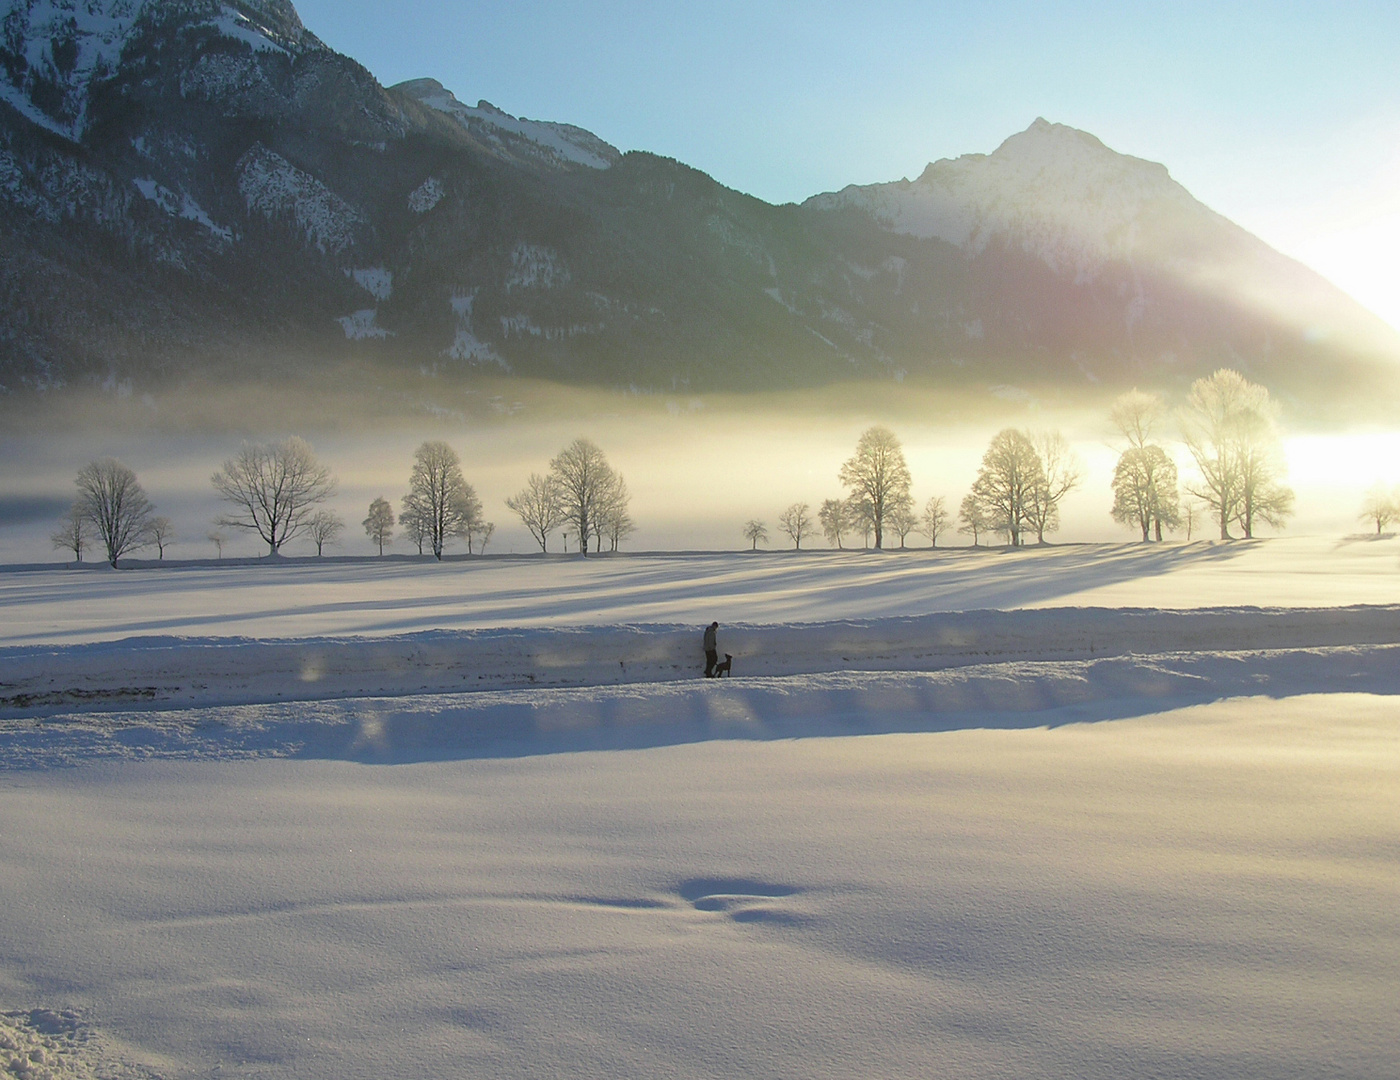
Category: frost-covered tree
[585,483]
[112,502]
[612,519]
[379,525]
[796,521]
[538,507]
[477,530]
[274,489]
[1230,425]
[324,528]
[754,531]
[73,533]
[973,517]
[482,537]
[1138,416]
[439,497]
[161,533]
[1060,473]
[1008,483]
[835,519]
[1145,480]
[902,520]
[1144,490]
[1380,507]
[934,520]
[416,521]
[860,512]
[877,477]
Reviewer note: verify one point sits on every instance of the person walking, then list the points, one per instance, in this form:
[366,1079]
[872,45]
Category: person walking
[711,649]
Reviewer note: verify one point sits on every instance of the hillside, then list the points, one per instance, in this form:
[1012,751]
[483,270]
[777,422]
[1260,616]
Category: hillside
[202,190]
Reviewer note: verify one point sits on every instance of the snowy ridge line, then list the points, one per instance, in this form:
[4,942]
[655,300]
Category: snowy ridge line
[442,727]
[160,672]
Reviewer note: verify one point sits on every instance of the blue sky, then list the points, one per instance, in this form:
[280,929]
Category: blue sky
[1283,116]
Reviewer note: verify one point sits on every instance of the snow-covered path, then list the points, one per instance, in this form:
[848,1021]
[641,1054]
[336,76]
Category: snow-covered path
[164,672]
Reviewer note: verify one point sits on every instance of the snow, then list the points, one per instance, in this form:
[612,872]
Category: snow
[1050,190]
[426,195]
[557,144]
[1204,892]
[101,28]
[465,344]
[533,266]
[181,205]
[1098,811]
[375,280]
[233,24]
[273,186]
[361,325]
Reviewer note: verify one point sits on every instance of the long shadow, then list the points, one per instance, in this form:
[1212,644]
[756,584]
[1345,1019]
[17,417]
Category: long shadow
[870,585]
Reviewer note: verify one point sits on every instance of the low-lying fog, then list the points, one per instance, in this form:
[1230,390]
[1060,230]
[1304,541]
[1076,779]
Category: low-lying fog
[698,466]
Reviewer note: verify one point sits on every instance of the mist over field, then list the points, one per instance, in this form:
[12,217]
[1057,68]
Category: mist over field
[698,465]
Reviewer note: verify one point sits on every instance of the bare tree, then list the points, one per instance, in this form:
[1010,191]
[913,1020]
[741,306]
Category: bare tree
[835,519]
[439,496]
[73,534]
[324,528]
[1231,428]
[537,505]
[1060,473]
[974,517]
[1007,484]
[901,519]
[612,520]
[161,533]
[1144,490]
[112,502]
[584,481]
[1379,506]
[877,476]
[755,530]
[1190,515]
[379,525]
[860,512]
[475,526]
[1138,416]
[796,521]
[274,489]
[934,520]
[218,539]
[416,521]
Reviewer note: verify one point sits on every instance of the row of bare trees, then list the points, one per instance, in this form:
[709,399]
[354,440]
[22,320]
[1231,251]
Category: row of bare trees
[113,511]
[581,493]
[1018,490]
[1228,424]
[1231,430]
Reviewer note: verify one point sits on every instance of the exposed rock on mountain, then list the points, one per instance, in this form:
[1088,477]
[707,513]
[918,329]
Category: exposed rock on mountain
[198,187]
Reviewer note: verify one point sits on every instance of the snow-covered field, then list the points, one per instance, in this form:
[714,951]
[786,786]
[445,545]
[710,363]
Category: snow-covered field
[1099,811]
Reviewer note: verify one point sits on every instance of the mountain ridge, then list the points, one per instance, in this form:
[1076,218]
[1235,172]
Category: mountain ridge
[194,188]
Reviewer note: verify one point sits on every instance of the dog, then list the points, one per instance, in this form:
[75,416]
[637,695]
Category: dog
[725,667]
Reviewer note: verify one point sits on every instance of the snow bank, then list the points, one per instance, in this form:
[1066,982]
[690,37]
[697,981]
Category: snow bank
[189,671]
[446,726]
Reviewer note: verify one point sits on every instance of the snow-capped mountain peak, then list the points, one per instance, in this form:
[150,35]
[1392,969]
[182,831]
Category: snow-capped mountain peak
[1050,190]
[555,144]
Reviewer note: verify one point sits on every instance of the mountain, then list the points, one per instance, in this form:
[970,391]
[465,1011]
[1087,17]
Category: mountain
[202,189]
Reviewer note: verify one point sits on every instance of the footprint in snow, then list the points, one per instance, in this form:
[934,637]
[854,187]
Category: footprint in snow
[744,900]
